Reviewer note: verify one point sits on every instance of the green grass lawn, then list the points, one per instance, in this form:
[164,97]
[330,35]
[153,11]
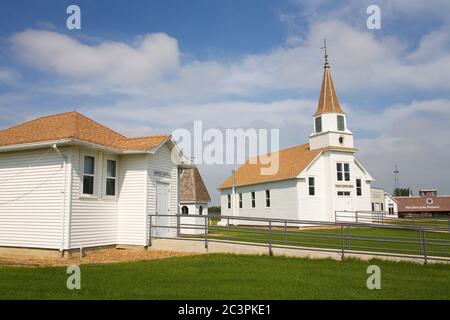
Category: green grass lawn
[219,276]
[406,241]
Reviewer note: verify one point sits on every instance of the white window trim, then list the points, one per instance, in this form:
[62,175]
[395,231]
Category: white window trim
[229,206]
[356,187]
[343,171]
[344,195]
[315,186]
[265,198]
[251,200]
[96,176]
[105,175]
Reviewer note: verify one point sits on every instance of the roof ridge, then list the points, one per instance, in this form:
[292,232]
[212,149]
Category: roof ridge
[151,136]
[101,125]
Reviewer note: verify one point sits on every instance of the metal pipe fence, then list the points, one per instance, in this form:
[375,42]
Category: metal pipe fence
[377,239]
[383,217]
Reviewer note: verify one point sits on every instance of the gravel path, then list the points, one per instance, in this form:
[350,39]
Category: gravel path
[95,257]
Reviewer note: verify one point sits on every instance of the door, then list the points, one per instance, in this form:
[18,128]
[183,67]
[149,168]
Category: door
[343,204]
[162,210]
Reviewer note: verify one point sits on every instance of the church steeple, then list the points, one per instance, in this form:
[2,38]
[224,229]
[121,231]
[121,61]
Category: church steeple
[328,101]
[330,123]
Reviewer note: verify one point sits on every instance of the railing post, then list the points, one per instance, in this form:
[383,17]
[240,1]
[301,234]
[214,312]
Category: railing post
[342,242]
[285,231]
[150,231]
[348,237]
[424,239]
[356,216]
[206,231]
[270,239]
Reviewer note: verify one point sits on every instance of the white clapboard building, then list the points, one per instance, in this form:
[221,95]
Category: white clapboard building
[314,180]
[68,182]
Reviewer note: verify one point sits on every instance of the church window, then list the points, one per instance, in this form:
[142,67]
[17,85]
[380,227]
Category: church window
[253,199]
[339,171]
[347,171]
[340,123]
[312,186]
[267,198]
[318,124]
[240,200]
[358,187]
[229,201]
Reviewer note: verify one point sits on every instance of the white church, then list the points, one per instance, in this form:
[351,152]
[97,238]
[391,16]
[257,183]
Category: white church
[314,180]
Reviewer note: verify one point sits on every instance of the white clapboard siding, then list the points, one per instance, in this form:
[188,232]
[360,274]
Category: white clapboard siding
[162,161]
[31,199]
[283,201]
[132,200]
[93,220]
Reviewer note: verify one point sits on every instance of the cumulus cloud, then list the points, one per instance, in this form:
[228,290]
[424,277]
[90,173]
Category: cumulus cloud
[152,56]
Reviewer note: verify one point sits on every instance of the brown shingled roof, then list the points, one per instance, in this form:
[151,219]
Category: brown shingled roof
[328,101]
[73,125]
[292,161]
[192,187]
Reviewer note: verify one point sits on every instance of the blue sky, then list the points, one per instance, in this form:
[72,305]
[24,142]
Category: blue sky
[146,67]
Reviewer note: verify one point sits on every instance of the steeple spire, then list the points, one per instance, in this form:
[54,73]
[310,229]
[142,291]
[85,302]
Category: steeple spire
[328,101]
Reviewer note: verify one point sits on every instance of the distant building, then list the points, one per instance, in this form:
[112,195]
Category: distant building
[427,203]
[383,202]
[194,199]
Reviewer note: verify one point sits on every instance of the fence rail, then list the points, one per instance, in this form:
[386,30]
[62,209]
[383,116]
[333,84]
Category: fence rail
[343,237]
[383,217]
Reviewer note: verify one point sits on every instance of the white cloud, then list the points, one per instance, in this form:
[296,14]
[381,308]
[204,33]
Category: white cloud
[154,55]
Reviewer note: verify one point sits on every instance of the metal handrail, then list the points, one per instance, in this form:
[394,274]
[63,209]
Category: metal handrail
[298,234]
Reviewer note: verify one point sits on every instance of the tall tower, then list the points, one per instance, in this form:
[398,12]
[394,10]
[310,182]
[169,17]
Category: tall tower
[330,123]
[396,177]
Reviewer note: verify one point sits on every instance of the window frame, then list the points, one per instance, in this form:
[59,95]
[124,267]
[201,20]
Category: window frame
[240,200]
[94,176]
[340,116]
[253,199]
[318,128]
[187,210]
[344,194]
[267,194]
[343,174]
[116,178]
[313,186]
[229,200]
[358,194]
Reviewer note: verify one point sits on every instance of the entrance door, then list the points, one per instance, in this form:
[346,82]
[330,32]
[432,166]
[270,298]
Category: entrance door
[162,210]
[344,203]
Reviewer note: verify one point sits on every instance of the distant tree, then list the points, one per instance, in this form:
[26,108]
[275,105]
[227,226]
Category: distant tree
[214,210]
[402,192]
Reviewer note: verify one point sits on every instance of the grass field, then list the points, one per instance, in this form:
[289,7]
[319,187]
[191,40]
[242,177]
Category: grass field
[230,277]
[362,239]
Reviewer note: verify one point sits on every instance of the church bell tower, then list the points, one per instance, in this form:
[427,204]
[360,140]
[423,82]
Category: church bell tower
[330,121]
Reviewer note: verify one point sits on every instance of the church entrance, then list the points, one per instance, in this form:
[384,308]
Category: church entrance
[344,201]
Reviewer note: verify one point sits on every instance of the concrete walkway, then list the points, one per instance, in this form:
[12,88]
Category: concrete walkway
[194,246]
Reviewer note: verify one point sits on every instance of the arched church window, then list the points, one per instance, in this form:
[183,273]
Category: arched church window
[184,210]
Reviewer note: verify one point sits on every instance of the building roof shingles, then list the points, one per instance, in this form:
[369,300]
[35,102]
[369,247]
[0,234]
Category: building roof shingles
[192,187]
[292,161]
[73,125]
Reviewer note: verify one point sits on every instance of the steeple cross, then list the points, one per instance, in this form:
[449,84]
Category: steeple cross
[325,51]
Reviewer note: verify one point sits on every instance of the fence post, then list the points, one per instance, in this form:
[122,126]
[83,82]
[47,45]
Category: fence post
[285,231]
[206,231]
[348,237]
[150,231]
[356,216]
[178,225]
[342,242]
[270,239]
[424,239]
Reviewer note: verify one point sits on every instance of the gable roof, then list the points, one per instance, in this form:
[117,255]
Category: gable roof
[292,161]
[74,125]
[328,100]
[192,187]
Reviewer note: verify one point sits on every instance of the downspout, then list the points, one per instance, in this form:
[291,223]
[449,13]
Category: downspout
[147,231]
[63,191]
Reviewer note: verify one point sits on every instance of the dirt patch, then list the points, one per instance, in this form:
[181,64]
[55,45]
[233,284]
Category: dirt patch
[110,255]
